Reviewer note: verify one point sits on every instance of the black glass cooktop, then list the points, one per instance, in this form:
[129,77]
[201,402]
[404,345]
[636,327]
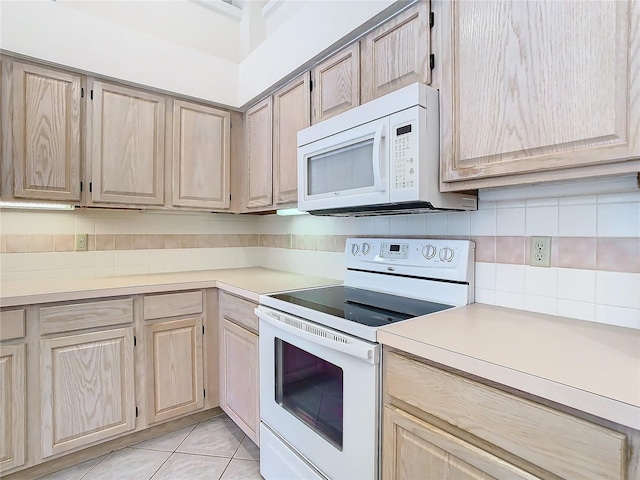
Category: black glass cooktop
[366,307]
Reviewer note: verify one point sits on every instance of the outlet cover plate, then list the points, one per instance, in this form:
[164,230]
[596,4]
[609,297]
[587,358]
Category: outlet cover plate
[82,242]
[540,252]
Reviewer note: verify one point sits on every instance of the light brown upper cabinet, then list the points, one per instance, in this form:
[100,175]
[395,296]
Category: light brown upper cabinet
[526,101]
[258,150]
[45,130]
[200,156]
[126,145]
[291,113]
[271,129]
[397,53]
[336,84]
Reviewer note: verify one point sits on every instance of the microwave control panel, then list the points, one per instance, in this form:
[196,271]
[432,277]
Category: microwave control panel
[404,156]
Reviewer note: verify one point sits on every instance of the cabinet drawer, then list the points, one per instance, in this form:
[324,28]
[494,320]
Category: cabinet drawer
[238,310]
[172,305]
[12,324]
[65,318]
[557,442]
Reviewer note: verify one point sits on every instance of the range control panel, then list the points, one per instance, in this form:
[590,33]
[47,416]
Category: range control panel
[404,156]
[412,256]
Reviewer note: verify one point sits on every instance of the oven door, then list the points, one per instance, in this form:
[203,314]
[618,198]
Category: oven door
[345,169]
[320,394]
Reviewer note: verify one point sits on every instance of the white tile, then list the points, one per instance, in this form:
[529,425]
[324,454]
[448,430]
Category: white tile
[541,281]
[487,297]
[510,300]
[84,224]
[622,317]
[485,275]
[541,202]
[458,223]
[242,470]
[618,220]
[182,466]
[577,221]
[510,278]
[218,436]
[578,200]
[510,203]
[486,205]
[578,285]
[579,310]
[128,463]
[247,450]
[382,225]
[76,472]
[437,224]
[538,304]
[618,289]
[510,221]
[417,225]
[541,221]
[483,222]
[619,197]
[398,226]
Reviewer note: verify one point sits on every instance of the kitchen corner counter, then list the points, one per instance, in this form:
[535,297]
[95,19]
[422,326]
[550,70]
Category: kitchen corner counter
[588,366]
[247,282]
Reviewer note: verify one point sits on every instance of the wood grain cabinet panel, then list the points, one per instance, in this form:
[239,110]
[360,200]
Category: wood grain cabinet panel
[336,84]
[258,150]
[396,54]
[46,133]
[172,305]
[126,145]
[66,318]
[238,310]
[87,389]
[174,368]
[516,109]
[201,156]
[414,449]
[291,113]
[13,398]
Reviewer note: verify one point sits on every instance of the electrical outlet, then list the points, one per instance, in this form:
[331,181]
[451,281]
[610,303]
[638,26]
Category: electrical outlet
[540,252]
[82,242]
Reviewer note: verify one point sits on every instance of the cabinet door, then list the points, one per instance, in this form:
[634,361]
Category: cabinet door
[87,391]
[12,406]
[46,133]
[396,54]
[200,156]
[174,368]
[413,449]
[127,145]
[516,110]
[291,113]
[336,84]
[259,155]
[239,380]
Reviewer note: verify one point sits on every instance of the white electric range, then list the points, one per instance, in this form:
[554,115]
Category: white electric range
[319,361]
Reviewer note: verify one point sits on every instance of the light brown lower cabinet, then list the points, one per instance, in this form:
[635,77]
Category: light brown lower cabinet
[239,370]
[440,425]
[174,368]
[12,406]
[87,389]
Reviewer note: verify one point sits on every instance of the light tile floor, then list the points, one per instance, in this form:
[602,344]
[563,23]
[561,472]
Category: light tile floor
[213,449]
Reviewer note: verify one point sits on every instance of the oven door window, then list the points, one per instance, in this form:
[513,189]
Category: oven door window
[311,389]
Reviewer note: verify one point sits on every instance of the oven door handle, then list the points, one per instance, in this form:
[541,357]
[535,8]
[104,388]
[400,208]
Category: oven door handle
[321,336]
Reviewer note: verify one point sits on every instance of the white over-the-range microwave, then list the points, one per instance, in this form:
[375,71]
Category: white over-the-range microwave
[382,157]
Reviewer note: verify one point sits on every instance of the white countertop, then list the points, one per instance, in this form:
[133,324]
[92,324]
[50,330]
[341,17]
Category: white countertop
[247,282]
[589,366]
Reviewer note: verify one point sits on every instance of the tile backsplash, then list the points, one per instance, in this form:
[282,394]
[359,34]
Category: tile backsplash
[595,257]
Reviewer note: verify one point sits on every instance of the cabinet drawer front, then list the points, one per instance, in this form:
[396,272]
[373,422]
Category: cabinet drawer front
[65,318]
[12,324]
[172,305]
[238,310]
[559,443]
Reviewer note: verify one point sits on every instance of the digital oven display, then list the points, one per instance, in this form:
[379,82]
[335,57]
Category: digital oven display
[403,130]
[394,248]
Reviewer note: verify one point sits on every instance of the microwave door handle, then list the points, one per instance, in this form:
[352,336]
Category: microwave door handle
[378,157]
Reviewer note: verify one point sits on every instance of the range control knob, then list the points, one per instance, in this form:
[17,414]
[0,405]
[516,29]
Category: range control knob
[428,251]
[354,249]
[366,248]
[446,254]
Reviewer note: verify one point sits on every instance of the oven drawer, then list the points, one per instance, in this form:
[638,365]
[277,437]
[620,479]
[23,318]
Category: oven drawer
[239,311]
[554,441]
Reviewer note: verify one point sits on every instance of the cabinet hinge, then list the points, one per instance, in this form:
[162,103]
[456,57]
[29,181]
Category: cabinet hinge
[135,341]
[136,412]
[311,85]
[91,186]
[432,61]
[91,94]
[204,393]
[81,92]
[432,19]
[80,186]
[203,329]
